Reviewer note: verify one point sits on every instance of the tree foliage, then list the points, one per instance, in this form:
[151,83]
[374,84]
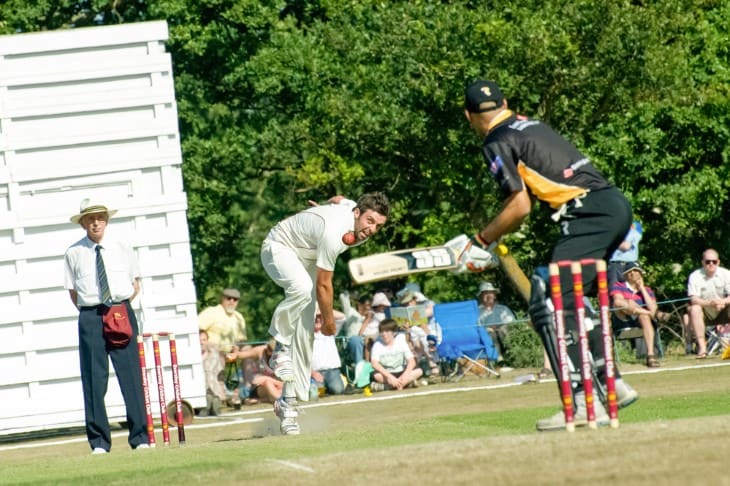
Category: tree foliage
[285,101]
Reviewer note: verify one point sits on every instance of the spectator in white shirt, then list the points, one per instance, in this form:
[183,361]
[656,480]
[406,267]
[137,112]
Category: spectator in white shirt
[708,289]
[392,359]
[326,362]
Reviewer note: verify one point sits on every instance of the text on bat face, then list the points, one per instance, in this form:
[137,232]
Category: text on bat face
[434,257]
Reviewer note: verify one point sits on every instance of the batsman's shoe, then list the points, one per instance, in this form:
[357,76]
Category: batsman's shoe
[625,395]
[288,414]
[557,421]
[281,363]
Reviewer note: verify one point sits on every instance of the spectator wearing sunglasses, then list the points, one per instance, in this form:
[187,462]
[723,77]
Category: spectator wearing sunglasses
[225,326]
[226,330]
[708,289]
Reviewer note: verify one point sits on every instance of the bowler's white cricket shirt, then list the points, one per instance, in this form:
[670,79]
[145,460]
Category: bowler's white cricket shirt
[316,233]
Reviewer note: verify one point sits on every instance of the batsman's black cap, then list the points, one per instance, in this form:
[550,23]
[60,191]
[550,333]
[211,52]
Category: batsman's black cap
[482,96]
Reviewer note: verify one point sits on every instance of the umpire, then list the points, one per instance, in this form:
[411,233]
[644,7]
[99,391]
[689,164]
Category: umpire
[96,274]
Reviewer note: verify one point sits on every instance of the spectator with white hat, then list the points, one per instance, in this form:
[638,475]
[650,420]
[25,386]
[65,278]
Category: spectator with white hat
[494,316]
[370,331]
[415,297]
[418,333]
[408,287]
[412,292]
[379,305]
[380,299]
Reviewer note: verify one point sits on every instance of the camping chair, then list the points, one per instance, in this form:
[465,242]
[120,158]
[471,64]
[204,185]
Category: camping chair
[717,339]
[672,321]
[463,338]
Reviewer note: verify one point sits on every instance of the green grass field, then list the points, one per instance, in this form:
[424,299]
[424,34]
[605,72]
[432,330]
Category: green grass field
[477,431]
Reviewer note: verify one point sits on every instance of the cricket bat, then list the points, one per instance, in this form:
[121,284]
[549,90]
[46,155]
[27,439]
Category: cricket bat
[394,264]
[513,271]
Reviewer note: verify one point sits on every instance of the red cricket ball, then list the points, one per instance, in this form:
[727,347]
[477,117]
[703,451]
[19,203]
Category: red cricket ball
[349,238]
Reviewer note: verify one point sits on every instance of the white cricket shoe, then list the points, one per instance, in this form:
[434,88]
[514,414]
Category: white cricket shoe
[288,414]
[625,395]
[281,363]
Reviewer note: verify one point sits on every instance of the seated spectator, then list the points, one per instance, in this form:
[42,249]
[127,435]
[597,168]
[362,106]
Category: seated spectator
[226,328]
[215,391]
[413,287]
[434,359]
[708,289]
[420,299]
[357,322]
[392,360]
[326,362]
[415,290]
[418,335]
[370,330]
[494,316]
[636,307]
[387,292]
[259,380]
[626,255]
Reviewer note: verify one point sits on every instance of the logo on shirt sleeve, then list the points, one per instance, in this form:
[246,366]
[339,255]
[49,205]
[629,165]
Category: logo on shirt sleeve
[495,166]
[570,171]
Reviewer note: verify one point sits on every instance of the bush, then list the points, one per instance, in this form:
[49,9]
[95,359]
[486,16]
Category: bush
[524,348]
[625,352]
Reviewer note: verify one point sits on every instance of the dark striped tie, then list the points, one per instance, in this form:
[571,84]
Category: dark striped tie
[106,295]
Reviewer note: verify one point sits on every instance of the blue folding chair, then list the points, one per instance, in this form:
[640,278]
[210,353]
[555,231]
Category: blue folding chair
[463,337]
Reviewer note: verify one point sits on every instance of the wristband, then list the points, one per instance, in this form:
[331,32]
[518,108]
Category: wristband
[478,240]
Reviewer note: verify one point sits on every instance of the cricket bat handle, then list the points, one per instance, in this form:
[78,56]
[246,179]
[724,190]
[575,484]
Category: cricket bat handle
[513,271]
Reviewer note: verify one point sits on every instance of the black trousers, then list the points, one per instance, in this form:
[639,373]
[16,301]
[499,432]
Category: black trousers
[94,357]
[593,230]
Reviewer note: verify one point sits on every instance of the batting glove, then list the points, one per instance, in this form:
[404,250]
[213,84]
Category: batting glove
[458,244]
[471,255]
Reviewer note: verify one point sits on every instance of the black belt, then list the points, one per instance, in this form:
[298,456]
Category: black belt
[97,306]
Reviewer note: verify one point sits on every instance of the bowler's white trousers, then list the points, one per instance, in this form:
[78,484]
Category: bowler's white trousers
[293,321]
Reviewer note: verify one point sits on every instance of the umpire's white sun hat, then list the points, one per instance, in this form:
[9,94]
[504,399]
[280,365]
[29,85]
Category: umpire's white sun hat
[88,206]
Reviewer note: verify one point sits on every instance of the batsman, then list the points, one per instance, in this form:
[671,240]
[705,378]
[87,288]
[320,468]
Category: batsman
[529,161]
